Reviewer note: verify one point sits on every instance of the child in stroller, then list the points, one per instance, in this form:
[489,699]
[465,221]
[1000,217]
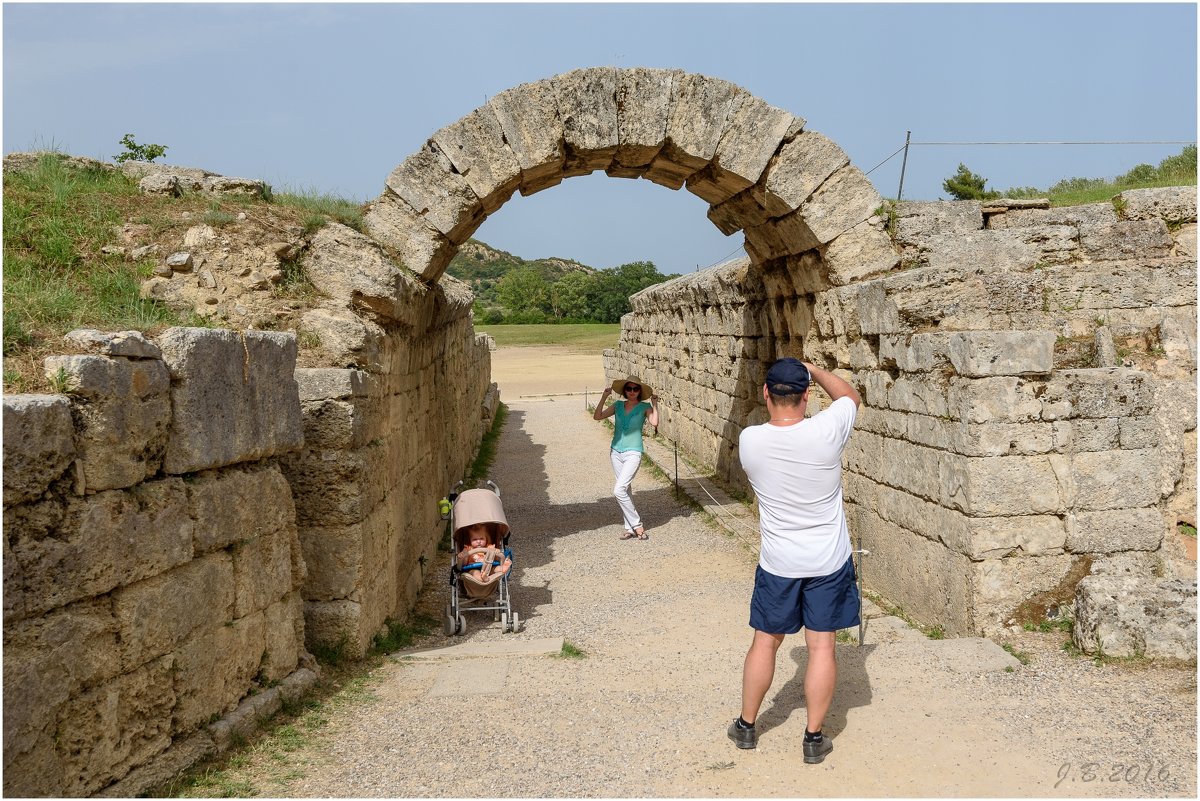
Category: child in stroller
[481,569]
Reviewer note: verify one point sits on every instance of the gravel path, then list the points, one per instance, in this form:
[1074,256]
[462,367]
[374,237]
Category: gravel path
[663,628]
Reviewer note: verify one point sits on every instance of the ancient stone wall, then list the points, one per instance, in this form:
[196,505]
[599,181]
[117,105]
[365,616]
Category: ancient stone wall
[152,570]
[1028,377]
[194,509]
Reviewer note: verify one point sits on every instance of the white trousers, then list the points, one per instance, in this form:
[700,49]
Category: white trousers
[625,466]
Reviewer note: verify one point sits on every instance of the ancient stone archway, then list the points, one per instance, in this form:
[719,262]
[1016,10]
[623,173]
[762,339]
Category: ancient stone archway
[792,191]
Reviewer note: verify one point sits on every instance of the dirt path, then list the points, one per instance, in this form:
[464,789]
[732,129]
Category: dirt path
[662,625]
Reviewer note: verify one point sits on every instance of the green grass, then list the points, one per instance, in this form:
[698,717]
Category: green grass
[1021,656]
[487,448]
[1187,529]
[580,337]
[320,206]
[571,652]
[401,635]
[57,219]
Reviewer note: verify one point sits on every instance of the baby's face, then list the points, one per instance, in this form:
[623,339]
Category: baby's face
[477,536]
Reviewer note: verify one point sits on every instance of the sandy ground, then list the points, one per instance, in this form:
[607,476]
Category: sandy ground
[662,625]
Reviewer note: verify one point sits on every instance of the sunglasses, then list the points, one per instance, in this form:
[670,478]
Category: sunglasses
[632,388]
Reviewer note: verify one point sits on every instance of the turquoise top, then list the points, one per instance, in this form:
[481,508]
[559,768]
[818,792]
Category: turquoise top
[627,426]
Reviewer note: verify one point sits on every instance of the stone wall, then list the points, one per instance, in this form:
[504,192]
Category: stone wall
[194,509]
[151,564]
[1028,377]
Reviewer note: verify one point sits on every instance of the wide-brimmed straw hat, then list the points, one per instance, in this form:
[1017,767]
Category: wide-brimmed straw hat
[618,387]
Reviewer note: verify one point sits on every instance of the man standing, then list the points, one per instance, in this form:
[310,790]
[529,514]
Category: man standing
[805,576]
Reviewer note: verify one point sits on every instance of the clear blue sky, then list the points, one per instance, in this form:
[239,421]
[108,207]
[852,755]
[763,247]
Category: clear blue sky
[331,97]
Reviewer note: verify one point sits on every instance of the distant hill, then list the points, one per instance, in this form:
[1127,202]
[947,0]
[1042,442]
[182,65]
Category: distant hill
[482,265]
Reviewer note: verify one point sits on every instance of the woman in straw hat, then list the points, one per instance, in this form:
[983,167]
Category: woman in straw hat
[628,416]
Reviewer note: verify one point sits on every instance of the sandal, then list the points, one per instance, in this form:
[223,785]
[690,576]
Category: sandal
[628,535]
[643,535]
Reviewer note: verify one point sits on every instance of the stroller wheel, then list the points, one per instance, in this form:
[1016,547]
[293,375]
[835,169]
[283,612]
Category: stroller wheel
[448,623]
[516,623]
[462,625]
[504,621]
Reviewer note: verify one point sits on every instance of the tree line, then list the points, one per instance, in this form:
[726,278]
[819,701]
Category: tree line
[526,294]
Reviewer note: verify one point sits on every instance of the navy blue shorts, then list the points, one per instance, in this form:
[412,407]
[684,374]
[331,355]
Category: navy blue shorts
[819,603]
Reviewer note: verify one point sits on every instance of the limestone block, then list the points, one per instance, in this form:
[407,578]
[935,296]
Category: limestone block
[335,623]
[1098,392]
[336,425]
[643,108]
[46,661]
[1124,239]
[427,182]
[262,572]
[914,353]
[1171,204]
[998,439]
[475,145]
[754,133]
[587,106]
[333,383]
[39,444]
[283,637]
[916,221]
[913,469]
[701,109]
[858,253]
[1091,213]
[1001,485]
[253,712]
[782,237]
[976,354]
[156,614]
[919,394]
[876,312]
[528,114]
[182,754]
[119,724]
[1115,530]
[345,265]
[1136,616]
[215,666]
[347,338]
[844,200]
[122,409]
[1111,479]
[1102,434]
[1134,284]
[329,486]
[1028,535]
[238,503]
[1185,242]
[130,344]
[233,395]
[997,399]
[1000,586]
[424,249]
[801,165]
[83,547]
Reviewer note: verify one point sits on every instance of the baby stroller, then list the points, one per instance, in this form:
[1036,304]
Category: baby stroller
[478,580]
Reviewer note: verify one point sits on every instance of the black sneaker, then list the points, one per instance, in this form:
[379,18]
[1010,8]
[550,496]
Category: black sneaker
[743,738]
[815,750]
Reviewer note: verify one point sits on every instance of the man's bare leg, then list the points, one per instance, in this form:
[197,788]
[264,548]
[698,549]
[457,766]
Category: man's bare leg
[759,671]
[820,676]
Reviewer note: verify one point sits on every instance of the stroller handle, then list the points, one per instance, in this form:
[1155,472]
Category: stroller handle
[495,489]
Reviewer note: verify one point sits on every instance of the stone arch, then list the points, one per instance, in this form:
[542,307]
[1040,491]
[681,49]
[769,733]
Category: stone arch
[792,191]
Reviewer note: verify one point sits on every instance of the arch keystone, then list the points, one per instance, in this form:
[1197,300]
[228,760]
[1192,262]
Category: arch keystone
[587,105]
[643,108]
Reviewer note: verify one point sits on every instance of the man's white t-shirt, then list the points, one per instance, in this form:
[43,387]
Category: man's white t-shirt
[796,473]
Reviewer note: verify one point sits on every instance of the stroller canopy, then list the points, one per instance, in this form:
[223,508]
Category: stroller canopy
[479,506]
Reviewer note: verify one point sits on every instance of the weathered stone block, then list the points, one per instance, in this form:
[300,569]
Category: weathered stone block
[215,666]
[1171,204]
[1134,284]
[476,147]
[587,106]
[997,399]
[917,221]
[858,253]
[130,344]
[83,547]
[427,183]
[1028,535]
[643,108]
[800,166]
[347,338]
[528,114]
[1110,479]
[1002,485]
[1098,392]
[701,109]
[284,637]
[156,614]
[754,132]
[334,624]
[39,444]
[1115,530]
[1126,240]
[122,409]
[167,766]
[1136,616]
[333,383]
[424,249]
[262,572]
[1000,586]
[976,354]
[349,267]
[233,396]
[844,200]
[125,722]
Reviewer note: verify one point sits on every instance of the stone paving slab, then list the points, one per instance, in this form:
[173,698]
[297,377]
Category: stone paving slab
[471,677]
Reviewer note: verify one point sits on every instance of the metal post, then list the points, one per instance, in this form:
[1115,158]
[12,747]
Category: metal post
[676,443]
[903,164]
